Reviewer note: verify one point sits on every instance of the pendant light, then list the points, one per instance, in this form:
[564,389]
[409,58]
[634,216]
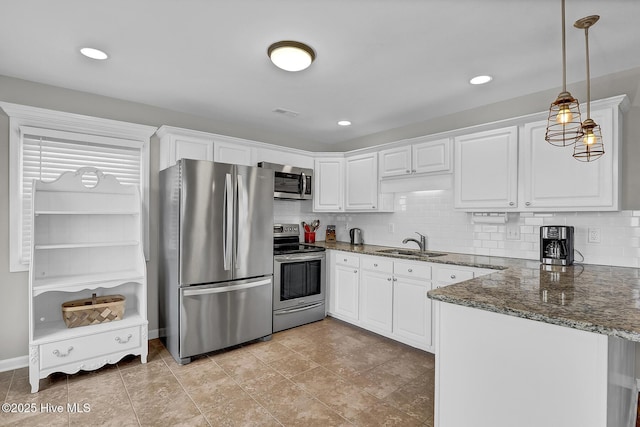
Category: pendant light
[590,147]
[564,122]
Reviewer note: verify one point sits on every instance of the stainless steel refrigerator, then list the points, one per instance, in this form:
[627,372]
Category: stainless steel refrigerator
[216,256]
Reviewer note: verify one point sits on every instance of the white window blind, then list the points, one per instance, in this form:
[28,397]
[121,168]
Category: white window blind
[46,153]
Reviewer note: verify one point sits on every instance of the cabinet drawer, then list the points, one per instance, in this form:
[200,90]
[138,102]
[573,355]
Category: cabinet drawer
[343,258]
[86,347]
[452,275]
[377,264]
[414,270]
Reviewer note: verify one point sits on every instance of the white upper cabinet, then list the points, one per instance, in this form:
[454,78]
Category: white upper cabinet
[486,169]
[423,157]
[554,180]
[431,156]
[176,144]
[497,171]
[328,186]
[395,161]
[233,152]
[362,192]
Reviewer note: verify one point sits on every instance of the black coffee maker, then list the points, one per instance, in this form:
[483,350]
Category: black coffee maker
[556,244]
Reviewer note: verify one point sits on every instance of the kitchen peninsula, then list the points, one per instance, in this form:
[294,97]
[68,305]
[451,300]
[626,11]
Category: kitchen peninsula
[533,345]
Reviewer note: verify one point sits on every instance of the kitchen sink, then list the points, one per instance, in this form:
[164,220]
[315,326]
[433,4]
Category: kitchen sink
[412,253]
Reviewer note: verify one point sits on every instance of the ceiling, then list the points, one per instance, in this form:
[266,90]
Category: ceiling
[382,64]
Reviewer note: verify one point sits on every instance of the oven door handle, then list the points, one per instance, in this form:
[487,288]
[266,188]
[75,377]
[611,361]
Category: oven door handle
[294,310]
[292,258]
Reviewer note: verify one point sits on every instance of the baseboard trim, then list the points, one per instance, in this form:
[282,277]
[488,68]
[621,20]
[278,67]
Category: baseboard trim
[23,361]
[14,363]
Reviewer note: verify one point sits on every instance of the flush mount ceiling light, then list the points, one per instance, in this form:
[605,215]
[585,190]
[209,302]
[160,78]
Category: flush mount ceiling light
[344,123]
[564,125]
[592,147]
[291,55]
[93,53]
[480,80]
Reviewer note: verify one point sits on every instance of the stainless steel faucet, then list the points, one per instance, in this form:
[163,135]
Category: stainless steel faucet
[422,244]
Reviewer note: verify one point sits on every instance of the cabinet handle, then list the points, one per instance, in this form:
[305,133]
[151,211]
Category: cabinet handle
[57,352]
[511,204]
[395,279]
[355,271]
[345,260]
[528,203]
[121,341]
[453,276]
[413,171]
[410,270]
[375,265]
[408,171]
[388,279]
[373,207]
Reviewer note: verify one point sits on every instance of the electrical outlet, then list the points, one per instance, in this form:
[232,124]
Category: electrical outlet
[392,227]
[594,235]
[513,231]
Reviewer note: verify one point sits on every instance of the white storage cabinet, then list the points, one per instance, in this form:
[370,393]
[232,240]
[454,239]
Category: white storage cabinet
[345,286]
[416,158]
[86,238]
[328,184]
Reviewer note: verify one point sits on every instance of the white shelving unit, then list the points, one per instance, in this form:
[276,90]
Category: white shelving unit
[86,238]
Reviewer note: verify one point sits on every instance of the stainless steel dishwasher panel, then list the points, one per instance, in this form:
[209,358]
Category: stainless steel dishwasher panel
[222,315]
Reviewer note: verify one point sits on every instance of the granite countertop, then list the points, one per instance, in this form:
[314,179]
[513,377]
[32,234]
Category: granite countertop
[592,298]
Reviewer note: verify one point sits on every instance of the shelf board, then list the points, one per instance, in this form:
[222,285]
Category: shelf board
[57,330]
[82,245]
[75,283]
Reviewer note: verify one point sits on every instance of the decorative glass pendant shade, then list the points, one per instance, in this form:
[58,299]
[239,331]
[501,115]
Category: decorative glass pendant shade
[590,147]
[564,124]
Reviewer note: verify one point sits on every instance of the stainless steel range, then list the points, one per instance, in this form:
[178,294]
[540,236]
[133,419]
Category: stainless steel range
[298,279]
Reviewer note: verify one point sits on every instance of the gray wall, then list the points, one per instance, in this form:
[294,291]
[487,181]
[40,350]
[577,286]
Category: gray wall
[13,286]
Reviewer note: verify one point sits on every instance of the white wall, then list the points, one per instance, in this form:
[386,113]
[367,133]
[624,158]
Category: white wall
[432,214]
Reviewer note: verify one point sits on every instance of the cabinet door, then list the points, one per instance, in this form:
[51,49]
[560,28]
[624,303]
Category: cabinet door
[234,153]
[362,182]
[486,170]
[432,156]
[553,179]
[328,185]
[346,292]
[176,147]
[395,161]
[376,295]
[412,311]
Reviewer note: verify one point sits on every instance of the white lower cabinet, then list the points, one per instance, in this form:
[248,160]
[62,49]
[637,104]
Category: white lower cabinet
[376,294]
[346,286]
[383,295]
[411,307]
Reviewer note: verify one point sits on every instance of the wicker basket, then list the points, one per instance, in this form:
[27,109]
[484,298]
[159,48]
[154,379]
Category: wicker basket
[92,311]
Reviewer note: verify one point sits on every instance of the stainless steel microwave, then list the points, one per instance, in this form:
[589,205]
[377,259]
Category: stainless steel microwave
[290,182]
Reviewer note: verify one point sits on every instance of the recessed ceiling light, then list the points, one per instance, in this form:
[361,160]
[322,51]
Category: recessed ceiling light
[92,53]
[291,55]
[344,123]
[480,80]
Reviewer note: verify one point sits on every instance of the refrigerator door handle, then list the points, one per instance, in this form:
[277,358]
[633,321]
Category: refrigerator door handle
[227,222]
[242,213]
[221,289]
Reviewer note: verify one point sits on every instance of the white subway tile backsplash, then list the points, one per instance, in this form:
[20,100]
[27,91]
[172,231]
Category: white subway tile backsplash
[453,231]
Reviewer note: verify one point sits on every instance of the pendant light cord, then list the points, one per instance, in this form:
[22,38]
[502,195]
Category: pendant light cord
[586,39]
[564,53]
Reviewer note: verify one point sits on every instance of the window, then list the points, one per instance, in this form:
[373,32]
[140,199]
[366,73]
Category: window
[45,143]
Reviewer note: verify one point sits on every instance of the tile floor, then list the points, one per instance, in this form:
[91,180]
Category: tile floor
[326,373]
